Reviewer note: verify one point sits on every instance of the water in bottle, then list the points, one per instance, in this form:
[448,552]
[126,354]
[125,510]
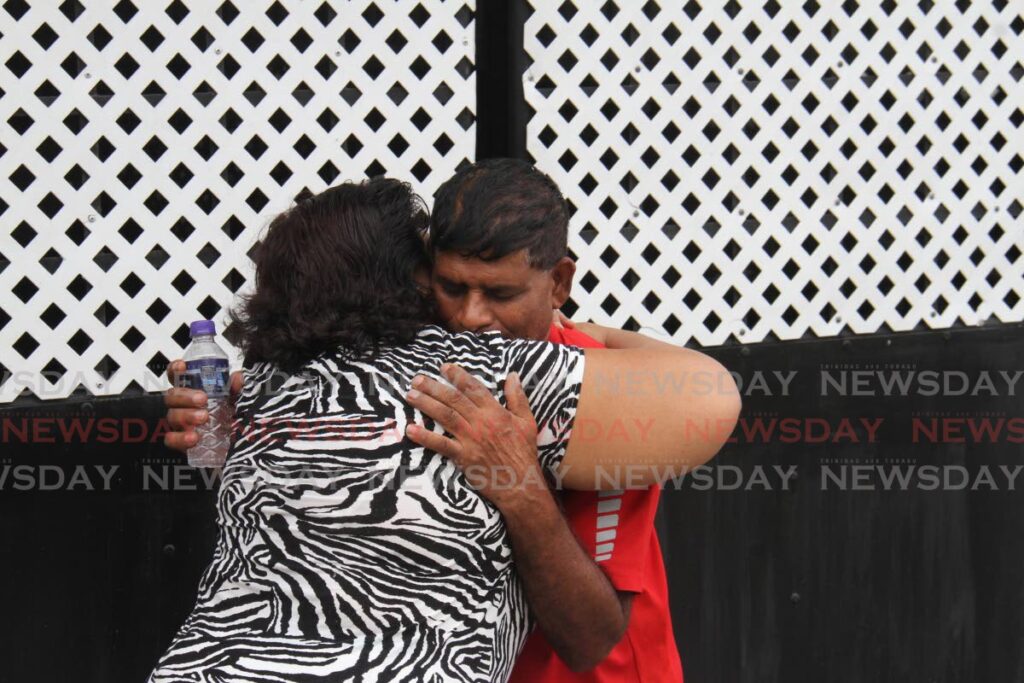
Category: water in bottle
[207,370]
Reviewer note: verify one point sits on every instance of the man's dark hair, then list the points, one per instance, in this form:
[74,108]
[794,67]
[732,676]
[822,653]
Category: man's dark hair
[337,270]
[496,207]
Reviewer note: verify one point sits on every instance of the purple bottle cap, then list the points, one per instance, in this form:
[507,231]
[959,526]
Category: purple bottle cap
[202,327]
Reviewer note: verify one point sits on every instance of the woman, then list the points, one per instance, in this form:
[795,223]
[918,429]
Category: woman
[346,551]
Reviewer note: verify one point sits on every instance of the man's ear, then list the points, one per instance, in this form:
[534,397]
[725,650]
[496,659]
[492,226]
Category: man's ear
[562,275]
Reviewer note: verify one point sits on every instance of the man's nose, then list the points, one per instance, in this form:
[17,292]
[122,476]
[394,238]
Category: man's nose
[475,314]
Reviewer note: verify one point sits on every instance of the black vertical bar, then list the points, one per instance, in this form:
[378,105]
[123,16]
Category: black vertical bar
[500,62]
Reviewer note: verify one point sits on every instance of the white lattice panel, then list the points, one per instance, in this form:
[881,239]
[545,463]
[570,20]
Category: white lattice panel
[782,169]
[146,144]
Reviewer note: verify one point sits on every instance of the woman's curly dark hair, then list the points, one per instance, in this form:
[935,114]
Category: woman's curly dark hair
[338,270]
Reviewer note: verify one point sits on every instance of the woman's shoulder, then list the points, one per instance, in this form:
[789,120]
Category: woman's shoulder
[435,336]
[432,345]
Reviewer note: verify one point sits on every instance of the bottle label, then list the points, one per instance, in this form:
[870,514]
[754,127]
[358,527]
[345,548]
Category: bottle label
[207,374]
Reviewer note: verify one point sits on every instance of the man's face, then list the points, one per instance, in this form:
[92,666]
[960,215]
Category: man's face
[506,295]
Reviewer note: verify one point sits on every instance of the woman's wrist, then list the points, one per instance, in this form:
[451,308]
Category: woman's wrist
[614,338]
[594,331]
[623,339]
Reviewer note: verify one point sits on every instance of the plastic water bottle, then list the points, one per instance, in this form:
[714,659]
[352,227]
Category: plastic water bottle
[207,370]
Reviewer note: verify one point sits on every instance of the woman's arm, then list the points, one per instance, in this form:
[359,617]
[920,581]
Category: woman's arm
[645,418]
[647,414]
[613,338]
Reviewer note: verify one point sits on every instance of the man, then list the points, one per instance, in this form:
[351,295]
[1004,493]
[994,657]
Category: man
[499,242]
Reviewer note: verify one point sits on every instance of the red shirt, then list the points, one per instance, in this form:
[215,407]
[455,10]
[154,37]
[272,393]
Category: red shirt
[617,529]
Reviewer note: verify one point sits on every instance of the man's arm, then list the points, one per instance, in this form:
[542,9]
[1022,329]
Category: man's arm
[576,607]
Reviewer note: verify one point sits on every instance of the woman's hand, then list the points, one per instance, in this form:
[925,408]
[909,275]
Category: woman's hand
[495,447]
[186,408]
[595,332]
[562,322]
[598,333]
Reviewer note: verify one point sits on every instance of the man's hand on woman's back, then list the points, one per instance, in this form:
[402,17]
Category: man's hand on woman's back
[186,408]
[496,447]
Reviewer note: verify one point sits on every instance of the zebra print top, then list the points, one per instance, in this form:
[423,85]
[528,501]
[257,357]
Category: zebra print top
[347,553]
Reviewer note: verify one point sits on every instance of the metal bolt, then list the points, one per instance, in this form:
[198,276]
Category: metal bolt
[888,342]
[637,69]
[745,351]
[88,75]
[218,51]
[169,549]
[847,344]
[794,598]
[91,218]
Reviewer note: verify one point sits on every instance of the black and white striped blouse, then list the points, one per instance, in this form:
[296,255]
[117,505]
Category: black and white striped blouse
[345,552]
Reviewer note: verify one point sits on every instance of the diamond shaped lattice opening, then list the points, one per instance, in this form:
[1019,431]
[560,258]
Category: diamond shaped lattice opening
[147,144]
[805,169]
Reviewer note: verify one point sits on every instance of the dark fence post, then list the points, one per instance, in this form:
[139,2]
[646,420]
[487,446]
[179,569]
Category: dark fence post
[500,62]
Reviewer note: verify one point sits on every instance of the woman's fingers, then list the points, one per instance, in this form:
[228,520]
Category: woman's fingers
[186,418]
[181,441]
[174,369]
[436,401]
[434,441]
[178,397]
[186,410]
[236,384]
